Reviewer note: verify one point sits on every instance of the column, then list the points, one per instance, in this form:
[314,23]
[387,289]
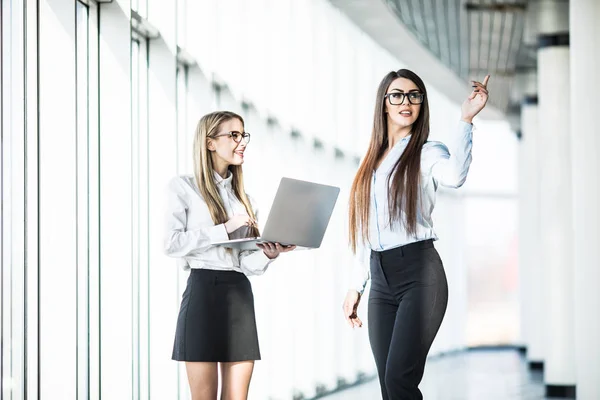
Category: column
[555,198]
[585,147]
[530,265]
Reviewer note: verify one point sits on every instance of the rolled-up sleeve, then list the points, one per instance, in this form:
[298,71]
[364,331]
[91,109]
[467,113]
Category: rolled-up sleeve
[449,167]
[254,262]
[179,241]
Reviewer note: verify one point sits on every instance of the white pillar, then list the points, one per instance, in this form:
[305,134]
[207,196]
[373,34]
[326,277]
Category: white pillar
[530,265]
[585,105]
[555,200]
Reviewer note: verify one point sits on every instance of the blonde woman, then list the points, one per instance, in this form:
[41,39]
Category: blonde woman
[216,324]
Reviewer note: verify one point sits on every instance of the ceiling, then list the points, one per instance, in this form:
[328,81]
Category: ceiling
[470,38]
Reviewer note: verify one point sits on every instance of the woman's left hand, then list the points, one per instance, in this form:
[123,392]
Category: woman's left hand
[476,101]
[272,250]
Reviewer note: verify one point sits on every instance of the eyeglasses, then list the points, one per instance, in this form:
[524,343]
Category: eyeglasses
[397,98]
[236,136]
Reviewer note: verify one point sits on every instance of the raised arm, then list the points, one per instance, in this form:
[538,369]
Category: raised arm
[449,166]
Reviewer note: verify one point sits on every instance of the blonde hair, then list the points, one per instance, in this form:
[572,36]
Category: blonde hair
[207,128]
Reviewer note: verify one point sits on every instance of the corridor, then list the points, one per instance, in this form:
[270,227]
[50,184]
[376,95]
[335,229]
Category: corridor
[490,374]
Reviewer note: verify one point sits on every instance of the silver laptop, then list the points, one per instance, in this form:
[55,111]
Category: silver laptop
[299,216]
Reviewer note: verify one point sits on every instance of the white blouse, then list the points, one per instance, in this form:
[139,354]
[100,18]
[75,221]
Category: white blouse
[439,166]
[190,229]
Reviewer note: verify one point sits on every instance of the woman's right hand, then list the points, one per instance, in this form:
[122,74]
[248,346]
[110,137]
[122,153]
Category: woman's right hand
[237,221]
[350,306]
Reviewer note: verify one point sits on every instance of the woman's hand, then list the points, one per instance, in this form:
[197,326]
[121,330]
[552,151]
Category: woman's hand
[350,306]
[476,101]
[272,250]
[237,221]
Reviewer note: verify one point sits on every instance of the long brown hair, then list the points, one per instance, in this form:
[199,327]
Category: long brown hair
[405,176]
[207,128]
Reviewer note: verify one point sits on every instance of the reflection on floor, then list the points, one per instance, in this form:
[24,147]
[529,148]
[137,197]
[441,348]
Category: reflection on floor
[498,374]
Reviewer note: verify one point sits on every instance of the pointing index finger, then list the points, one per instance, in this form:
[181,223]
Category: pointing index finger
[485,80]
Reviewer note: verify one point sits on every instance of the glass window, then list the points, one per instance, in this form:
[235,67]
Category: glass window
[184,156]
[88,128]
[87,209]
[182,9]
[12,282]
[139,212]
[31,296]
[60,241]
[493,279]
[141,7]
[82,210]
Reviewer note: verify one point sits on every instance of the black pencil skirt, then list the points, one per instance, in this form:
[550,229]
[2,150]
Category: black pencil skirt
[216,320]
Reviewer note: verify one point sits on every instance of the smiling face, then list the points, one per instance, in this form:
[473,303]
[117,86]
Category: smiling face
[224,151]
[402,113]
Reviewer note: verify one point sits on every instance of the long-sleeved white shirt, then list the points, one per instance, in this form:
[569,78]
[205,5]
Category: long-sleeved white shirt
[190,229]
[439,166]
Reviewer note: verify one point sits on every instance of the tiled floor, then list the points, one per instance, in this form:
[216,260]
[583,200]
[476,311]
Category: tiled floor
[472,375]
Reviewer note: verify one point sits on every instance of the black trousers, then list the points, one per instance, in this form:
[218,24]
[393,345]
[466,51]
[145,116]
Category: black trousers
[407,303]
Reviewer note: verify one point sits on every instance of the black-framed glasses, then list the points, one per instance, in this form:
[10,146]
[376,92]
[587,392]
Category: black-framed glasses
[236,136]
[397,98]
